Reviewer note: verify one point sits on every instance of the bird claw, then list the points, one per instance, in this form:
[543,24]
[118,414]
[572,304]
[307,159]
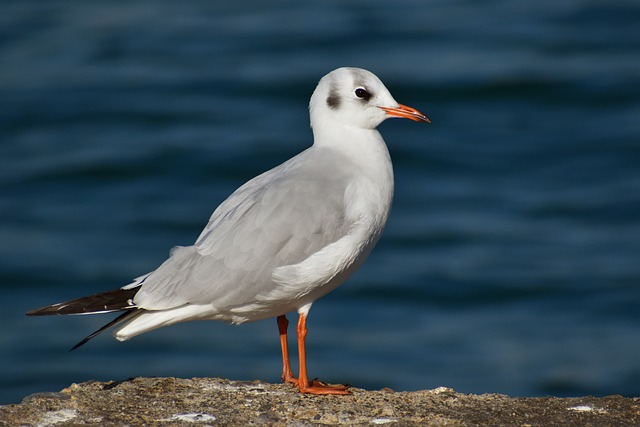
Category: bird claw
[319,387]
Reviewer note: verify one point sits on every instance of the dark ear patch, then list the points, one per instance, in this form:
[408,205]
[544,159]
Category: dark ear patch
[333,100]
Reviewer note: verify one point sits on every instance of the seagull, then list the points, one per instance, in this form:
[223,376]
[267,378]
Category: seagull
[282,240]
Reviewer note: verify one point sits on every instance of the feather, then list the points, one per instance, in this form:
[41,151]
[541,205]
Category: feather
[104,302]
[122,318]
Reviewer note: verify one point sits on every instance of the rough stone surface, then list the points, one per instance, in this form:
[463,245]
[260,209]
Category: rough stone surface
[219,402]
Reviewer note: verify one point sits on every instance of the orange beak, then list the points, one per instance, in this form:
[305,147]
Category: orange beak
[407,113]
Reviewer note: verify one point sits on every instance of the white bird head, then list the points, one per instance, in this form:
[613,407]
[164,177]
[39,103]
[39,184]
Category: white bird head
[357,98]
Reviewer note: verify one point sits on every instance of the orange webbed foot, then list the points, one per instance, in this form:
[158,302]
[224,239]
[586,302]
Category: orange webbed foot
[319,387]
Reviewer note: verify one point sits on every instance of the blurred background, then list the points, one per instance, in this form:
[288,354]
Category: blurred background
[510,263]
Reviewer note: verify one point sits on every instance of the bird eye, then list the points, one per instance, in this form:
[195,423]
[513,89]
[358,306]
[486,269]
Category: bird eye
[362,93]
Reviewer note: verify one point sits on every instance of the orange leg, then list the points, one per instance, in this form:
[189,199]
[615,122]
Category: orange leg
[315,387]
[287,373]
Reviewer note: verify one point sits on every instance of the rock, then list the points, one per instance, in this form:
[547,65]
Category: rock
[220,402]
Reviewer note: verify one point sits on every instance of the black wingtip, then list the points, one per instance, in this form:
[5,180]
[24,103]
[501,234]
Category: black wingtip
[123,317]
[103,302]
[45,311]
[83,342]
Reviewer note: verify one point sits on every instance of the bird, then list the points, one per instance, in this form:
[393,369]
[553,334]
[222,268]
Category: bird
[283,239]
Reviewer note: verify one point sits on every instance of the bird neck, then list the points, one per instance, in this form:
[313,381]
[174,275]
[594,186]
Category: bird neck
[365,149]
[345,138]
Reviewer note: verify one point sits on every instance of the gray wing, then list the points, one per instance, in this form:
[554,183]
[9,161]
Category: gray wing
[279,218]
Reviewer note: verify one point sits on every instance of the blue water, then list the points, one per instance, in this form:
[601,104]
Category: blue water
[510,263]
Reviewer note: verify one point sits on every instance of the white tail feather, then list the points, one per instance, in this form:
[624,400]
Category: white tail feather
[150,320]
